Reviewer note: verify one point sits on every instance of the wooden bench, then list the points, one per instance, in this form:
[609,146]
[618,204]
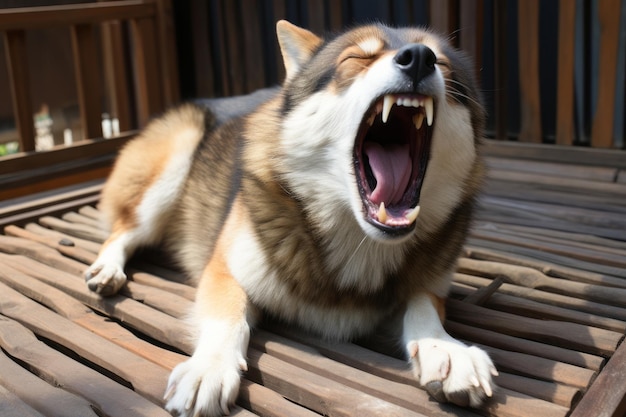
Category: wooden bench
[541,285]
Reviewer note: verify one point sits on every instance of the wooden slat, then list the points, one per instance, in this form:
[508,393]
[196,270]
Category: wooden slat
[268,403]
[500,68]
[224,82]
[12,406]
[88,79]
[565,154]
[516,344]
[88,245]
[38,394]
[233,44]
[590,340]
[310,359]
[590,173]
[315,9]
[443,17]
[106,396]
[335,12]
[604,113]
[147,378]
[68,15]
[528,45]
[79,151]
[79,230]
[15,49]
[202,39]
[148,87]
[253,47]
[607,396]
[22,212]
[116,73]
[471,24]
[565,69]
[323,395]
[166,34]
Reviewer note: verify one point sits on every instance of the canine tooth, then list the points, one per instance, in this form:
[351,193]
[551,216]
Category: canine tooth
[428,107]
[387,103]
[382,213]
[418,119]
[411,216]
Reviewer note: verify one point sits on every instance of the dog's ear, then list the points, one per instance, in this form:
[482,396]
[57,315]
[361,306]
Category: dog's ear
[296,44]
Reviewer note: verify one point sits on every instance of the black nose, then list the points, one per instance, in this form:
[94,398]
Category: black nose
[416,60]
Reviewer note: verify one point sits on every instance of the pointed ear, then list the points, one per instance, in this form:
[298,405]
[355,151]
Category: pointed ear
[297,45]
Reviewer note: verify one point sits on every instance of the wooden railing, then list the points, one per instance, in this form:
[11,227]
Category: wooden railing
[543,65]
[142,29]
[523,52]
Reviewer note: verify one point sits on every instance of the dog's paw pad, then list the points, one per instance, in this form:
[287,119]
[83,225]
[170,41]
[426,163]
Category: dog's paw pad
[105,279]
[203,387]
[453,372]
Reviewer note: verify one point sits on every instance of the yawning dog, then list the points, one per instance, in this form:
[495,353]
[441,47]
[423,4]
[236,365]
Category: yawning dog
[340,204]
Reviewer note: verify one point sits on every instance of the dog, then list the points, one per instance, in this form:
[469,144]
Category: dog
[340,204]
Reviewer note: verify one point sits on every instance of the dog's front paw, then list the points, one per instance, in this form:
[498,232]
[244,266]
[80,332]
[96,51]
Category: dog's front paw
[453,372]
[204,386]
[105,278]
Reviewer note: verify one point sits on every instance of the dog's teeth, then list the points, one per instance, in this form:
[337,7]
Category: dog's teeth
[418,119]
[428,107]
[411,216]
[387,103]
[370,121]
[382,213]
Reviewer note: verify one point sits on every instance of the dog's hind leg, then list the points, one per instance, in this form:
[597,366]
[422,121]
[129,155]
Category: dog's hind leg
[142,192]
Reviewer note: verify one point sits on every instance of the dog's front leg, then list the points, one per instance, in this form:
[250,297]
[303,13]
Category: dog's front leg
[208,382]
[447,368]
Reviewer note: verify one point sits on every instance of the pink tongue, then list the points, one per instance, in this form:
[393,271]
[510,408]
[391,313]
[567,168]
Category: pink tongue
[392,167]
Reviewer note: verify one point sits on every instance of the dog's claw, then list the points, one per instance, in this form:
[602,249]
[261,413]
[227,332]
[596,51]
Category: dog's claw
[435,389]
[459,398]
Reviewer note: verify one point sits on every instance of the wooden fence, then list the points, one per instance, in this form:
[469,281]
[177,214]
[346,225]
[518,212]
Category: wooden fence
[525,51]
[552,72]
[141,29]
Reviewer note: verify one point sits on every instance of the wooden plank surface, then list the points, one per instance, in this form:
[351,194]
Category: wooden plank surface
[541,286]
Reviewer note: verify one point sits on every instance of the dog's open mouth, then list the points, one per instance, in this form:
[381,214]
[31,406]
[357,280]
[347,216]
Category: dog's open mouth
[391,153]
